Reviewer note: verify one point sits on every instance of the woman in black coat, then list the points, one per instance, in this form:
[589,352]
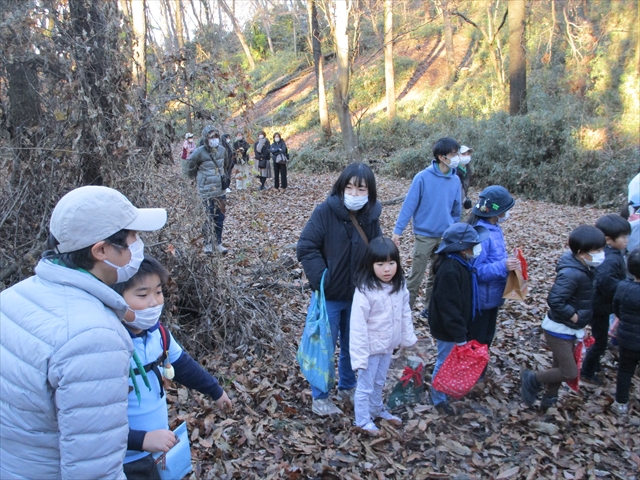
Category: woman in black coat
[330,241]
[280,156]
[262,150]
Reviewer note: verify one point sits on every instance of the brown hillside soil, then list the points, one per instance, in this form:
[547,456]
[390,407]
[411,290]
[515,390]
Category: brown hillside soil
[272,432]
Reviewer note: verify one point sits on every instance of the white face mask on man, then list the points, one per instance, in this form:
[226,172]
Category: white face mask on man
[130,269]
[214,142]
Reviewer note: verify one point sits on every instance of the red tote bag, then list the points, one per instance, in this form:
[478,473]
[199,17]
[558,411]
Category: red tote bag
[577,356]
[462,369]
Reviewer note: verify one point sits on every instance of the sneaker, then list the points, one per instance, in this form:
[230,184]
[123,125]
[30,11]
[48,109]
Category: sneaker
[347,395]
[425,313]
[208,248]
[324,407]
[222,248]
[229,190]
[592,379]
[261,187]
[529,387]
[620,408]
[370,429]
[392,419]
[548,402]
[445,408]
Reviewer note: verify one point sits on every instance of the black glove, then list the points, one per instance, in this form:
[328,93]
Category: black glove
[467,203]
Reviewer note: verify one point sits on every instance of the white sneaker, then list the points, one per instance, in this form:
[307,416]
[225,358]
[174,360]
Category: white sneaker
[208,248]
[620,408]
[324,407]
[222,248]
[347,395]
[229,190]
[370,429]
[392,419]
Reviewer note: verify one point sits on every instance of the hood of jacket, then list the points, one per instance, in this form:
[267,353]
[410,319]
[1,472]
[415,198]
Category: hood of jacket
[435,170]
[569,260]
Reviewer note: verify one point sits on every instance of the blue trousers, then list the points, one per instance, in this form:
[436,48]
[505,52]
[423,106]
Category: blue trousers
[444,348]
[339,313]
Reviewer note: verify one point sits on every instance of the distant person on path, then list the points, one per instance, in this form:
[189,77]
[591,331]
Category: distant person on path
[570,310]
[433,204]
[207,165]
[380,322]
[65,354]
[262,151]
[465,171]
[228,146]
[609,274]
[626,306]
[188,146]
[330,241]
[242,168]
[280,156]
[454,302]
[148,416]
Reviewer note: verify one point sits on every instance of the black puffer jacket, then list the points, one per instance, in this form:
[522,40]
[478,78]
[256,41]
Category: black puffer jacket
[329,240]
[451,302]
[626,306]
[572,292]
[611,272]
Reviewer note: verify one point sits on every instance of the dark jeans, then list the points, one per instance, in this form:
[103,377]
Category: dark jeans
[215,216]
[142,469]
[627,364]
[600,332]
[564,366]
[279,169]
[483,327]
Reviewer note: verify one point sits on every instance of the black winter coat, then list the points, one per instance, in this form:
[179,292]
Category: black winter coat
[265,154]
[626,306]
[611,272]
[572,292]
[238,144]
[451,305]
[278,148]
[329,240]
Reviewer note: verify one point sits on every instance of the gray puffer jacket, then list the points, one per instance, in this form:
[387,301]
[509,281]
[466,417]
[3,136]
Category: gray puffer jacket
[207,164]
[64,363]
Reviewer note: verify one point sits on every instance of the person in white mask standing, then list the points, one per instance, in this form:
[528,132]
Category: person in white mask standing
[160,356]
[433,205]
[464,172]
[335,239]
[64,355]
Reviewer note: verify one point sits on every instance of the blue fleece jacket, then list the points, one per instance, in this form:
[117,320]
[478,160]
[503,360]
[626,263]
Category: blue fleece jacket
[491,266]
[433,201]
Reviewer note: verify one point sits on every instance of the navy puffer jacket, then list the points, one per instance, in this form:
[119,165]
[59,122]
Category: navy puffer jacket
[611,272]
[572,292]
[329,240]
[626,306]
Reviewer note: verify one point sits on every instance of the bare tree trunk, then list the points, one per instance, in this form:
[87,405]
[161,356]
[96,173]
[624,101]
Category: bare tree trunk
[172,43]
[183,63]
[318,63]
[448,40]
[262,5]
[139,21]
[388,59]
[238,31]
[517,58]
[341,88]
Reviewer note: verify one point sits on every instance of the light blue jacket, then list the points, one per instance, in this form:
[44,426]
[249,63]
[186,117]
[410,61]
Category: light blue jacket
[64,369]
[433,202]
[491,266]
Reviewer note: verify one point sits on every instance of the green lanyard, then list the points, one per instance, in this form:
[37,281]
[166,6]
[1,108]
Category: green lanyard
[142,371]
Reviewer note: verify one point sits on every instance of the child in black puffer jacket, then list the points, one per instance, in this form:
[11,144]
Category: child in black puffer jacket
[626,306]
[570,310]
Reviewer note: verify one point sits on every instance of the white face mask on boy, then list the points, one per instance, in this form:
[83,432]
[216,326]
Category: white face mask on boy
[596,259]
[147,318]
[130,269]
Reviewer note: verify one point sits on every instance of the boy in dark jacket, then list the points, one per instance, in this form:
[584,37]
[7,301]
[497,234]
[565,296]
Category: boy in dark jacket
[626,306]
[570,310]
[611,272]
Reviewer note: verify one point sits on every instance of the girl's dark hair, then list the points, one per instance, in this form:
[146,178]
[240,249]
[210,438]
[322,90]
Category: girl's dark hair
[363,174]
[82,258]
[149,266]
[445,146]
[473,219]
[277,134]
[586,238]
[381,249]
[633,263]
[435,265]
[613,226]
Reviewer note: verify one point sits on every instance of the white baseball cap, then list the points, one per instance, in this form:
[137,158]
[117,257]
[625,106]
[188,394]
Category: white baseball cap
[87,215]
[465,149]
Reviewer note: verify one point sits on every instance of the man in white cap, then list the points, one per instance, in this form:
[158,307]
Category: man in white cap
[64,354]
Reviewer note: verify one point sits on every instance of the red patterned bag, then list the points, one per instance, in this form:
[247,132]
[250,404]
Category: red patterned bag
[578,350]
[462,368]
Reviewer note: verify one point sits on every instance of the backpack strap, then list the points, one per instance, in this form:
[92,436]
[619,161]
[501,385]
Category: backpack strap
[166,341]
[359,228]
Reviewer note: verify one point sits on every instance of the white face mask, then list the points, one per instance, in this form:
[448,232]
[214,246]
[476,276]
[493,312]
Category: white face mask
[260,137]
[502,219]
[277,139]
[454,161]
[596,259]
[131,268]
[214,142]
[147,318]
[477,250]
[353,202]
[465,159]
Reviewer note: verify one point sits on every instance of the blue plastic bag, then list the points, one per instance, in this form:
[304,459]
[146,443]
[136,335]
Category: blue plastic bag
[315,353]
[176,463]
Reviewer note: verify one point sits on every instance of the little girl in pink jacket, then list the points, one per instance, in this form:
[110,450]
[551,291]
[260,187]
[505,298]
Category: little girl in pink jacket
[380,322]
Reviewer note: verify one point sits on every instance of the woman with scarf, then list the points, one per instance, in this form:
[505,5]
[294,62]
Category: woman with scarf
[262,149]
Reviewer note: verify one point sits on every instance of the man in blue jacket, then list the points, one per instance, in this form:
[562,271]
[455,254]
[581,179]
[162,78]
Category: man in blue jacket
[433,205]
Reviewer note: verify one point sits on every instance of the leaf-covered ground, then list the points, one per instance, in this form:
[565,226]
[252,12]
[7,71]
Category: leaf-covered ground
[272,433]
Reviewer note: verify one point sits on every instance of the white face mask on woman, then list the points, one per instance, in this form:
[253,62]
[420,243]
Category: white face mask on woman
[465,159]
[130,269]
[147,318]
[214,142]
[354,203]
